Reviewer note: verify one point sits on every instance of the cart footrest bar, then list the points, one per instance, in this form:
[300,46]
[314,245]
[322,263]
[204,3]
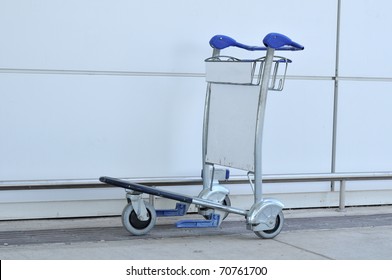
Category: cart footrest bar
[180,210]
[213,222]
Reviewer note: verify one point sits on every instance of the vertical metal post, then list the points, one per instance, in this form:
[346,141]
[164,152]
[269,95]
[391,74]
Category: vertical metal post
[207,168]
[151,198]
[342,195]
[260,123]
[215,52]
[336,98]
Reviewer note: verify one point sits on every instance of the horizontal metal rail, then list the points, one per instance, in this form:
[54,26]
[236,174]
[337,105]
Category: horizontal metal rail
[181,181]
[87,183]
[173,74]
[271,178]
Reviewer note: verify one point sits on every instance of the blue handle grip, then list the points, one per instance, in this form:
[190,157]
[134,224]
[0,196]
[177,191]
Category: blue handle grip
[272,40]
[281,42]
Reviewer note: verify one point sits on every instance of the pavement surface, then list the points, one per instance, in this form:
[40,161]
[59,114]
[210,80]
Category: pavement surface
[358,233]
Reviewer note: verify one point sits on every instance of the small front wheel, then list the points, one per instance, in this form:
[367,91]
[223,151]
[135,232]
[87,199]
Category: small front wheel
[135,226]
[271,233]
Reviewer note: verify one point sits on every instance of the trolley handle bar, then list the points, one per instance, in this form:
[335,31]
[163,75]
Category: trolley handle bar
[276,41]
[144,189]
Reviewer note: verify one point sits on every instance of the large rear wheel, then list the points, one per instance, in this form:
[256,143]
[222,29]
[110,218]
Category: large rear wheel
[271,233]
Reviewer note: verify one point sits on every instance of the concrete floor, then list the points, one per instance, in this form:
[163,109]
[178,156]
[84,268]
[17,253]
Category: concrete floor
[359,233]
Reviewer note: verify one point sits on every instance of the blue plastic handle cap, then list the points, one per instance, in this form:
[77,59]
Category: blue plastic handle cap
[272,40]
[280,41]
[222,41]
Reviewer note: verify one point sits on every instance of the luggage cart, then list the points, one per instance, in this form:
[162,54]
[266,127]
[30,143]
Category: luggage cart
[232,138]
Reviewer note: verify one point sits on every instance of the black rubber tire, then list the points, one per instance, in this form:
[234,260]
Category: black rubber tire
[271,233]
[135,226]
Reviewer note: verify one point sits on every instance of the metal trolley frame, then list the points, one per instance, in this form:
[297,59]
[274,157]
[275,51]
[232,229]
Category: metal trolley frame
[232,137]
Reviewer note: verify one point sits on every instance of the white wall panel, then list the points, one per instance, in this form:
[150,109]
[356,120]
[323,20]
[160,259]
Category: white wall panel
[365,40]
[298,128]
[157,36]
[364,127]
[140,127]
[55,126]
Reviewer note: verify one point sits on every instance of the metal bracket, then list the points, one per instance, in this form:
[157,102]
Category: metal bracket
[138,205]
